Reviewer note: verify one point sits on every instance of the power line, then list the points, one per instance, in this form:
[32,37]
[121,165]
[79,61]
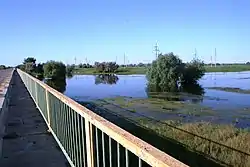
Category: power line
[75,60]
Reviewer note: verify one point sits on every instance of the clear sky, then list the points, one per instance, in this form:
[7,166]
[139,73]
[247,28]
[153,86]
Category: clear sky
[100,30]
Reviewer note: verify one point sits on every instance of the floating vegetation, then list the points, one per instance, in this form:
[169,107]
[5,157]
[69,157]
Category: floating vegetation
[229,89]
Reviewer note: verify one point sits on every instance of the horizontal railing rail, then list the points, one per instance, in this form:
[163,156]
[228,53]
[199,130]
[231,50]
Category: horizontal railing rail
[87,139]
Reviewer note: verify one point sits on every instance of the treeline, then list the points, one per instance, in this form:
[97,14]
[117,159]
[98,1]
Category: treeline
[51,69]
[3,67]
[84,65]
[53,72]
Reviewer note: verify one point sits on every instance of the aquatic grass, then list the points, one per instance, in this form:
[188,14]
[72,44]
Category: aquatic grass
[229,89]
[160,105]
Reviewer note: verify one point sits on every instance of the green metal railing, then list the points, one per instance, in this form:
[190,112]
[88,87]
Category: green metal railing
[87,139]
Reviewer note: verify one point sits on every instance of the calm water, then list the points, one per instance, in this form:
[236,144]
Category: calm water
[90,87]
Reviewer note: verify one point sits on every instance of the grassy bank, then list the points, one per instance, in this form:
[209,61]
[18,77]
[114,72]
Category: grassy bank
[229,89]
[228,68]
[195,136]
[142,70]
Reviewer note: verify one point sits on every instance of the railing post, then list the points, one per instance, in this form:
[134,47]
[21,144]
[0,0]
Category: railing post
[48,108]
[89,144]
[36,93]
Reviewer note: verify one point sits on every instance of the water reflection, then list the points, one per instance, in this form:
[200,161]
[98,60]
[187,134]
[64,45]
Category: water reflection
[69,75]
[192,92]
[59,85]
[195,89]
[106,79]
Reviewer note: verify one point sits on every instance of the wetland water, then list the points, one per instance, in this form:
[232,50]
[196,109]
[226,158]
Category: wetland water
[85,87]
[229,106]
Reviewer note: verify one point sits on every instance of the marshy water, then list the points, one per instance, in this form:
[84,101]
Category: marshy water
[229,107]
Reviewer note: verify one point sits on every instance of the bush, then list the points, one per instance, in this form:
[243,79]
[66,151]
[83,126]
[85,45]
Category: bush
[55,70]
[2,67]
[168,69]
[69,70]
[106,67]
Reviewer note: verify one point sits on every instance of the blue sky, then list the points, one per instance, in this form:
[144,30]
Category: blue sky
[100,30]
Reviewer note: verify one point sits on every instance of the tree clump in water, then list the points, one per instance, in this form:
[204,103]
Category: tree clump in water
[168,73]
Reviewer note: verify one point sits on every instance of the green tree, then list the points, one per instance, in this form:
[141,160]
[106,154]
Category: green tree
[29,65]
[193,71]
[168,70]
[29,60]
[2,67]
[69,70]
[106,67]
[55,70]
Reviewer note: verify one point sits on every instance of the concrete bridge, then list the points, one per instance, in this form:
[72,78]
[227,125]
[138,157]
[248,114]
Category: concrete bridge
[41,127]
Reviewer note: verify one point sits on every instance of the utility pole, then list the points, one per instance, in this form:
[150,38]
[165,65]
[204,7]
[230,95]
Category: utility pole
[195,53]
[211,61]
[156,50]
[215,56]
[124,60]
[75,60]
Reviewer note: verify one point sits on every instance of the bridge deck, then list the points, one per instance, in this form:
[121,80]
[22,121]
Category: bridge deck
[26,141]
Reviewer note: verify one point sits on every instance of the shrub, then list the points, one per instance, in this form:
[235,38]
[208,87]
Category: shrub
[106,67]
[54,70]
[168,69]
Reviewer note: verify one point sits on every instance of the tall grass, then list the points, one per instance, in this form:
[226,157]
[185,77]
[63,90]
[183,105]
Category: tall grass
[224,134]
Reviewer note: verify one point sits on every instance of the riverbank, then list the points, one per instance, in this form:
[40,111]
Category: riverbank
[142,70]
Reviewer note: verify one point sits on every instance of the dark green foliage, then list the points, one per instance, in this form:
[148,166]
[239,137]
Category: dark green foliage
[2,67]
[168,70]
[141,65]
[30,67]
[55,70]
[39,68]
[193,71]
[85,65]
[106,67]
[248,63]
[70,69]
[29,60]
[59,85]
